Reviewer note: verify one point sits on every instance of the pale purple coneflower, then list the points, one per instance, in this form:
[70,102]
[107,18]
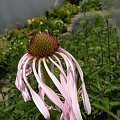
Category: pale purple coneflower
[43,50]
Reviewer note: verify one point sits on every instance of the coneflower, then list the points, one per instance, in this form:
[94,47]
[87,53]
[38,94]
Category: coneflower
[44,49]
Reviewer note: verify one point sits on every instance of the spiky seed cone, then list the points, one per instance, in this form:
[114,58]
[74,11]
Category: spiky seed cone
[42,45]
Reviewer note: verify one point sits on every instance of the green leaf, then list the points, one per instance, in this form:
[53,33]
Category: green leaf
[115,103]
[16,111]
[112,88]
[9,108]
[106,102]
[118,113]
[101,107]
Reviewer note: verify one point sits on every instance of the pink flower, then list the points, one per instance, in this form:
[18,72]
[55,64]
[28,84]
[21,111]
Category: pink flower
[43,50]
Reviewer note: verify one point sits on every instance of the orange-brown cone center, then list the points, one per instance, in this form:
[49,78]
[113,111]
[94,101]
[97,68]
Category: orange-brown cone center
[42,45]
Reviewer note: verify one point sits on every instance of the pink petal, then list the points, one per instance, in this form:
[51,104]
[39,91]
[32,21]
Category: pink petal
[21,62]
[29,71]
[40,74]
[75,104]
[72,115]
[57,83]
[40,104]
[58,66]
[58,60]
[25,95]
[69,74]
[49,92]
[62,75]
[71,86]
[68,61]
[85,97]
[41,92]
[86,101]
[37,100]
[20,84]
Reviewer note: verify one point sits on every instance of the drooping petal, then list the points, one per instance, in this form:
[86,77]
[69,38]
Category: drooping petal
[19,82]
[62,90]
[58,60]
[65,116]
[86,101]
[40,104]
[29,70]
[37,100]
[39,70]
[21,86]
[40,74]
[69,74]
[49,92]
[41,92]
[63,78]
[22,60]
[59,67]
[72,115]
[25,94]
[75,104]
[62,75]
[72,88]
[57,83]
[85,97]
[68,62]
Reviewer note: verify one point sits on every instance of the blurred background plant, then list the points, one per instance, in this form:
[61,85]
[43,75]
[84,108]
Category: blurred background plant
[95,45]
[64,13]
[90,5]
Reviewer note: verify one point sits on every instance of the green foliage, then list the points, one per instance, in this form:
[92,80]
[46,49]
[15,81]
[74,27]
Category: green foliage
[14,107]
[4,53]
[18,40]
[90,5]
[53,26]
[4,49]
[55,20]
[64,13]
